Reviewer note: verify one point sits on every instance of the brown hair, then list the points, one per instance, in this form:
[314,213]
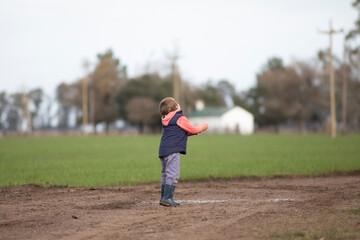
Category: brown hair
[167,105]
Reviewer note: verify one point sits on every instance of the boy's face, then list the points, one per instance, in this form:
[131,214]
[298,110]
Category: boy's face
[178,108]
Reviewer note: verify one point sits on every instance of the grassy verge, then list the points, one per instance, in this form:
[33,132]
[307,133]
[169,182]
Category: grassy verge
[112,160]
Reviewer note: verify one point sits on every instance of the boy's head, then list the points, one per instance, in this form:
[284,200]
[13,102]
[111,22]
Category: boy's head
[168,105]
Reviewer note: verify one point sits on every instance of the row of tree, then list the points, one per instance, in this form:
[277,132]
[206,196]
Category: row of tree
[294,95]
[24,107]
[113,95]
[298,94]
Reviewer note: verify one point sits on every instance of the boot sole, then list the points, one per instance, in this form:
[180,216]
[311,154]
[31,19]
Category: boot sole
[168,205]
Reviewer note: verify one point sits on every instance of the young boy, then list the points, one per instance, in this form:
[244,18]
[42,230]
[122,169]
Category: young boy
[173,143]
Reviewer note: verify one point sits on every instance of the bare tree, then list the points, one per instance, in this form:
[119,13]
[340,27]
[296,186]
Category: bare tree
[3,105]
[36,97]
[69,97]
[14,112]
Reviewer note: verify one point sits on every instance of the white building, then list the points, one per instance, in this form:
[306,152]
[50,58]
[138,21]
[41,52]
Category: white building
[234,120]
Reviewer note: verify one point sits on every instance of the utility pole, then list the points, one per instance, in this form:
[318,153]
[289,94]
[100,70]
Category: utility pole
[85,97]
[176,79]
[332,81]
[173,58]
[344,91]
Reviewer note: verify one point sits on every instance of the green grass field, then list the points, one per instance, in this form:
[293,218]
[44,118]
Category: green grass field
[113,160]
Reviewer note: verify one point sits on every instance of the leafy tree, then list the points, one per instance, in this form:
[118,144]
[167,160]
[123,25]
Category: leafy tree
[36,97]
[227,92]
[353,98]
[48,115]
[3,105]
[352,34]
[273,64]
[64,105]
[286,93]
[142,110]
[354,105]
[106,80]
[14,109]
[13,119]
[312,93]
[269,83]
[148,86]
[68,96]
[211,95]
[252,100]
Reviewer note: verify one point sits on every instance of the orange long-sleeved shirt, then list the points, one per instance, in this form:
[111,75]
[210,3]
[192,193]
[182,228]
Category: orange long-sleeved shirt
[182,122]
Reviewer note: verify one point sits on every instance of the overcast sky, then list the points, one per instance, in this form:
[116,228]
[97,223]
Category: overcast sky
[44,42]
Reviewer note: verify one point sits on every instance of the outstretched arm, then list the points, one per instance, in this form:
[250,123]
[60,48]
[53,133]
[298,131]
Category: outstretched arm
[184,123]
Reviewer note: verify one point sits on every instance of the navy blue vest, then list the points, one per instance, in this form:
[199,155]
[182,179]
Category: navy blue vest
[174,138]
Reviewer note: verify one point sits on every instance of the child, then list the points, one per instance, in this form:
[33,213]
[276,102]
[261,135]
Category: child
[173,142]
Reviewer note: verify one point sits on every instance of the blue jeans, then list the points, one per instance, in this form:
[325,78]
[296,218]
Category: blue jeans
[170,169]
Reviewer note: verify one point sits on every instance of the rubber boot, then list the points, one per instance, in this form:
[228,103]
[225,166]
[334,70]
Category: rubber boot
[162,192]
[167,199]
[172,194]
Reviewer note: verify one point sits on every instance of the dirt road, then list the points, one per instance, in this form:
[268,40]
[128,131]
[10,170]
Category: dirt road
[271,208]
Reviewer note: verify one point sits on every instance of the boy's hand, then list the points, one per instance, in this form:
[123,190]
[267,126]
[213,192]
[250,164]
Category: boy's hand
[204,126]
